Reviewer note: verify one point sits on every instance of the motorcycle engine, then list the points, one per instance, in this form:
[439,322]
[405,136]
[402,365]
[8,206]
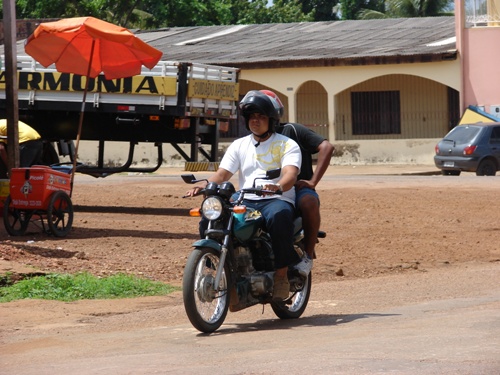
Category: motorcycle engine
[244,260]
[263,256]
[260,282]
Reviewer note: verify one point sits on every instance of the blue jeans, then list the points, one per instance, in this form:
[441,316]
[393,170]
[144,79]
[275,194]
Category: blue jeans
[300,193]
[278,218]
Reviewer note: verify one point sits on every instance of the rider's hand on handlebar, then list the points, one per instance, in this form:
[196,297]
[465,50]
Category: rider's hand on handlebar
[193,192]
[272,188]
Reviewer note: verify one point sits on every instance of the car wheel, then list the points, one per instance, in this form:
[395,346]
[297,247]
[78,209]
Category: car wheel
[486,168]
[451,173]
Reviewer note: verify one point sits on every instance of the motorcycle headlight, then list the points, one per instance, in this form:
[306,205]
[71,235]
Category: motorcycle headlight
[212,208]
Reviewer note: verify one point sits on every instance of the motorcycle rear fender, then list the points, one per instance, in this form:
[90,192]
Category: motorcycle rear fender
[208,243]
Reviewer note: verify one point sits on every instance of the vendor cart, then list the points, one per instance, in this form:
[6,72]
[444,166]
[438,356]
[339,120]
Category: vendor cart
[40,195]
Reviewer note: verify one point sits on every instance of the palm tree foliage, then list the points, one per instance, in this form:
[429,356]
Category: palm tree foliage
[408,9]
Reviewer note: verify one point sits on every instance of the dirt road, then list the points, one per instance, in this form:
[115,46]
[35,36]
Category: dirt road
[420,291]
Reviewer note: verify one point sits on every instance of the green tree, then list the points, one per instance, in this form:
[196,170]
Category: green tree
[285,11]
[55,9]
[350,9]
[172,13]
[409,9]
[324,10]
[257,12]
[148,14]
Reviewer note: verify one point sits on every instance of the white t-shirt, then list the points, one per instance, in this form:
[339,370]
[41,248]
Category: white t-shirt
[276,152]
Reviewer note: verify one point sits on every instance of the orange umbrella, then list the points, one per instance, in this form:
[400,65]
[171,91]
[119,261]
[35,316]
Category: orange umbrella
[88,47]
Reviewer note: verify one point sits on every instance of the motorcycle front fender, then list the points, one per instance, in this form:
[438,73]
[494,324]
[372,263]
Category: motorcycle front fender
[208,243]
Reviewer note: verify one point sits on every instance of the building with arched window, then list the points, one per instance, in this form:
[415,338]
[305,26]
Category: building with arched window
[379,90]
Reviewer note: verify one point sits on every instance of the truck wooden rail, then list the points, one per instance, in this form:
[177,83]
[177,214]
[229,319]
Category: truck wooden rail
[174,103]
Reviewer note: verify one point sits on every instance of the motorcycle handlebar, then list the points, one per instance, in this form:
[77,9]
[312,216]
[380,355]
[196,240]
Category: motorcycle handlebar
[260,191]
[200,192]
[257,191]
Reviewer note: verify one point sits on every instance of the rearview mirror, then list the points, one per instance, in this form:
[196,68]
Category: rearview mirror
[273,173]
[188,178]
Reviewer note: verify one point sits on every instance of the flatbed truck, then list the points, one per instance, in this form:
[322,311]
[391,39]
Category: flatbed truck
[174,103]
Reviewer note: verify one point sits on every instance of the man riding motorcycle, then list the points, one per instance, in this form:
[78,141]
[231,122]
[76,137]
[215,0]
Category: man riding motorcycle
[252,156]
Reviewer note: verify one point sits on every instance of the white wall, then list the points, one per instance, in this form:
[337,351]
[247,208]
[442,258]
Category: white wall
[414,151]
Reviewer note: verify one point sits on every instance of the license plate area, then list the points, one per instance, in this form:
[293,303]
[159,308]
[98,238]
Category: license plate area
[449,164]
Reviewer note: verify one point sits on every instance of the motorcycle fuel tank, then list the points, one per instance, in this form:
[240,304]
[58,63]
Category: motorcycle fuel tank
[247,224]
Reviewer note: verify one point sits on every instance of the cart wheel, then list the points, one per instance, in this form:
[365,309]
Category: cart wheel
[60,214]
[15,220]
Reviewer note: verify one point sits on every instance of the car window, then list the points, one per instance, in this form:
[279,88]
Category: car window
[462,134]
[495,135]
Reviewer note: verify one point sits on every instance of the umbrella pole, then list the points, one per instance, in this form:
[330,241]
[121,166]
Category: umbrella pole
[80,121]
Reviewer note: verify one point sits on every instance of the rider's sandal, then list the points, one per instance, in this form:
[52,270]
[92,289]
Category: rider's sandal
[281,289]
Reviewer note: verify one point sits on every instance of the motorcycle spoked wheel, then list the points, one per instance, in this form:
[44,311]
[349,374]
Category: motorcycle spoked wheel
[205,307]
[296,304]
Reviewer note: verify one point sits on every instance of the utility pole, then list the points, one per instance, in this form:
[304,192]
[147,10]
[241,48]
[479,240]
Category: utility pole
[12,105]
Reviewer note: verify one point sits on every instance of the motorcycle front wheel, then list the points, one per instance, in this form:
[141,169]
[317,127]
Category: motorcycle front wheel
[295,305]
[206,305]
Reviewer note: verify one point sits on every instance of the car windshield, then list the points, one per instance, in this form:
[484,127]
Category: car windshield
[462,134]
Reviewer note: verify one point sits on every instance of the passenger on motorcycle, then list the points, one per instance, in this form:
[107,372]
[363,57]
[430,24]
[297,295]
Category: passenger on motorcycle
[307,199]
[252,156]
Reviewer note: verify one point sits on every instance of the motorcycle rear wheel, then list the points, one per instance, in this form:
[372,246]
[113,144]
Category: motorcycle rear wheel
[295,306]
[205,307]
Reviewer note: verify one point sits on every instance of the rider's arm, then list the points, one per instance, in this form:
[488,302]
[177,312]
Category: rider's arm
[288,178]
[220,176]
[325,151]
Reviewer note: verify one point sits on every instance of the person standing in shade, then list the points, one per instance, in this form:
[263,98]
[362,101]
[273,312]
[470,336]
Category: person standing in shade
[30,145]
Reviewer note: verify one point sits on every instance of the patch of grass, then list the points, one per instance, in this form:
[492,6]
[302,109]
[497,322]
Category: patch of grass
[65,287]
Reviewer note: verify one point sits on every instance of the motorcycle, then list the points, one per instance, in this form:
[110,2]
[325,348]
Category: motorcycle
[232,267]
